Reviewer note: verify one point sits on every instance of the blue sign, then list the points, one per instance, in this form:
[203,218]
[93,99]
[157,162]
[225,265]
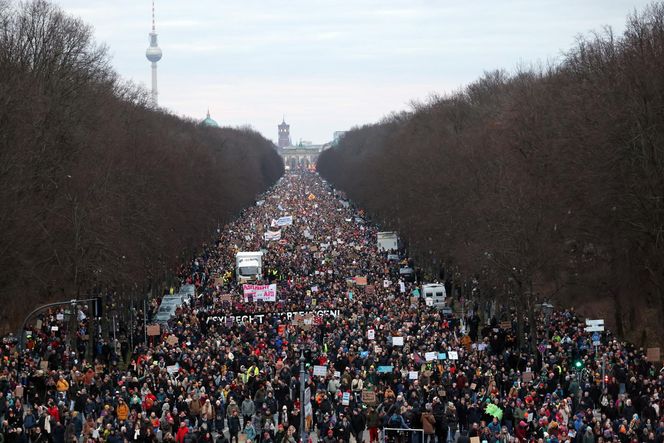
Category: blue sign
[442,356]
[596,336]
[385,369]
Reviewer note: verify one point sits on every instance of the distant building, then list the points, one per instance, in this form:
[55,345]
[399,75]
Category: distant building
[303,155]
[209,121]
[284,134]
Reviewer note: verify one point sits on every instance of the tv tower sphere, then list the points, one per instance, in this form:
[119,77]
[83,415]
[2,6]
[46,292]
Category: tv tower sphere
[153,53]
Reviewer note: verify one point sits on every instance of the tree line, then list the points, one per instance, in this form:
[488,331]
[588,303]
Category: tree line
[542,184]
[99,190]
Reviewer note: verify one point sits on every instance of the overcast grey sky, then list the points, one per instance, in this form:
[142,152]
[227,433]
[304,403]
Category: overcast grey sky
[329,65]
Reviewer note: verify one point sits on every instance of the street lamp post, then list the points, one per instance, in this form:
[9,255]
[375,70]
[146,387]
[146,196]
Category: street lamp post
[303,434]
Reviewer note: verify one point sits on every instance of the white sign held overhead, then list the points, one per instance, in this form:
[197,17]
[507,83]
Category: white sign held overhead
[320,371]
[272,235]
[453,355]
[397,341]
[598,322]
[282,221]
[594,328]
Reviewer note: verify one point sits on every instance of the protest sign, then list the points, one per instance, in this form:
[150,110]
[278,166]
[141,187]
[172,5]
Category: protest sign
[653,355]
[260,292]
[320,371]
[272,235]
[368,397]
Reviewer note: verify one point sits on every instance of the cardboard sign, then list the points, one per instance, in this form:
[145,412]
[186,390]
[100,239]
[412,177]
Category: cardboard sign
[507,325]
[153,330]
[474,440]
[653,355]
[172,340]
[368,397]
[361,281]
[226,298]
[527,377]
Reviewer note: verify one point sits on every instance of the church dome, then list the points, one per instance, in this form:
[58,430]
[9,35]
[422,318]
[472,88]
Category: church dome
[209,122]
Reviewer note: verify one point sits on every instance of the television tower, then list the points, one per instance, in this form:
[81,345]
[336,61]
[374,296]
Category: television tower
[153,54]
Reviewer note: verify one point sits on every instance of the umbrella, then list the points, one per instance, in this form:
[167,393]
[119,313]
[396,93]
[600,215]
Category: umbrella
[494,411]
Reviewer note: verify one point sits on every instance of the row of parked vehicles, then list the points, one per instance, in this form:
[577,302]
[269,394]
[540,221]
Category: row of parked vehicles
[170,303]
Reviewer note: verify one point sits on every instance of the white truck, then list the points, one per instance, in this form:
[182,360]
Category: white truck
[436,292]
[388,241]
[248,266]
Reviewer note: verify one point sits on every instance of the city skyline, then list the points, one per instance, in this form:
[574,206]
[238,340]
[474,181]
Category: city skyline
[329,66]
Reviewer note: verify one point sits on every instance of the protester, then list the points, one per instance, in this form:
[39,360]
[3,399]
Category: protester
[226,367]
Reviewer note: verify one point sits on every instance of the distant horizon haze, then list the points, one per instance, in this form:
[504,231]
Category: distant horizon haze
[331,65]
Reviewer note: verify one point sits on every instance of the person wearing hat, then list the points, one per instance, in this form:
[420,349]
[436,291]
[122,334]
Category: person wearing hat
[329,437]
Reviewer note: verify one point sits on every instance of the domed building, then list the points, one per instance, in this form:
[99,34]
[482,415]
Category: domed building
[209,121]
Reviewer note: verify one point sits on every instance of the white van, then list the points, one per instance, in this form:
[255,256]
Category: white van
[435,291]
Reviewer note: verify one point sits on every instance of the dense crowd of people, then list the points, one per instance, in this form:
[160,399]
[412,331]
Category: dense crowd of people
[380,363]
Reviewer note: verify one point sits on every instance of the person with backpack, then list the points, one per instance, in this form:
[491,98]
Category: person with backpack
[395,422]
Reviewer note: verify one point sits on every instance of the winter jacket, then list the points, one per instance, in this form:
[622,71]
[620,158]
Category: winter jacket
[428,423]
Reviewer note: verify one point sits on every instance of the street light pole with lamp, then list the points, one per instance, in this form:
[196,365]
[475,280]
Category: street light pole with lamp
[303,433]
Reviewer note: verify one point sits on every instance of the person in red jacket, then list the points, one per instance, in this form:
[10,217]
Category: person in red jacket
[53,411]
[521,431]
[181,432]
